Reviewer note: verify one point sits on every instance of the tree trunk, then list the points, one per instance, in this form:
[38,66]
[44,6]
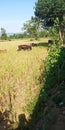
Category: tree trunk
[61,31]
[61,36]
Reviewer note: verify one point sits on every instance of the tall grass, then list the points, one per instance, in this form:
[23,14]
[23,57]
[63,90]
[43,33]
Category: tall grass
[19,76]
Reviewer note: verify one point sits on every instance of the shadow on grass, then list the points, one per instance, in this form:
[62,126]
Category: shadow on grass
[5,122]
[41,44]
[23,124]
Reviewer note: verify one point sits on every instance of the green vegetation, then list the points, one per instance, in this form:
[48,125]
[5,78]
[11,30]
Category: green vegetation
[33,28]
[51,100]
[48,11]
[3,34]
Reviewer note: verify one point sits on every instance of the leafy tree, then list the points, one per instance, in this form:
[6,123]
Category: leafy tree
[54,32]
[44,33]
[3,34]
[32,27]
[49,10]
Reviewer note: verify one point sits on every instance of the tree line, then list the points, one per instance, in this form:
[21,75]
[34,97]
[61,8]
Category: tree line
[29,31]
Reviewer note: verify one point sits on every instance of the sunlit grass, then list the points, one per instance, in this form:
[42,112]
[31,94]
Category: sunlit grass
[19,74]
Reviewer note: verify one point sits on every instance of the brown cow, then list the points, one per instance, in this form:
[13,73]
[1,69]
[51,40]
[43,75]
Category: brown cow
[2,51]
[24,47]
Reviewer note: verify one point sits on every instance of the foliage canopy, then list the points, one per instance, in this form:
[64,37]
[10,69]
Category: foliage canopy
[49,11]
[3,34]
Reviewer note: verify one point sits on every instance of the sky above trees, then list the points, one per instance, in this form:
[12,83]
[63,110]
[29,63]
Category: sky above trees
[13,13]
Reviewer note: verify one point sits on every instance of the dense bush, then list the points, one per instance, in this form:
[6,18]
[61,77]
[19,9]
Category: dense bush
[54,69]
[52,95]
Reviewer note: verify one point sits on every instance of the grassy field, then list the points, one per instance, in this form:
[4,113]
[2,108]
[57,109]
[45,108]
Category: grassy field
[19,76]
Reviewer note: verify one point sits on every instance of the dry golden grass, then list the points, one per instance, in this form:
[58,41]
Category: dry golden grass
[19,74]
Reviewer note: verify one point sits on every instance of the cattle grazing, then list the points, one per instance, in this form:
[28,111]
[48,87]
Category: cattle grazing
[24,47]
[50,41]
[3,51]
[33,44]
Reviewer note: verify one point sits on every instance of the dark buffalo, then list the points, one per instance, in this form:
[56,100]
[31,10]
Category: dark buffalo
[24,47]
[33,44]
[50,41]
